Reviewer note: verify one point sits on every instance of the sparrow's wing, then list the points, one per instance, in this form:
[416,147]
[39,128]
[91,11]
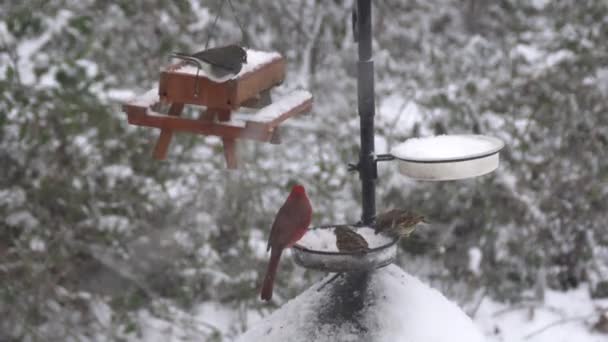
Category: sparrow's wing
[348,240]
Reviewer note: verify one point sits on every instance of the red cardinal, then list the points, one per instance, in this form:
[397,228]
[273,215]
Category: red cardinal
[289,226]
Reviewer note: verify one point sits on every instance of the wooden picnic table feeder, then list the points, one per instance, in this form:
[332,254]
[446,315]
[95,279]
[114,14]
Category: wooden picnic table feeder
[184,84]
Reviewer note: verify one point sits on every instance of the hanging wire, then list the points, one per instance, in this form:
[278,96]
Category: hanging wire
[217,16]
[238,22]
[212,31]
[209,35]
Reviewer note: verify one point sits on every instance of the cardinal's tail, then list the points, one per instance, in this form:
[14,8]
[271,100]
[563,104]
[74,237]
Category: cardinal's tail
[271,271]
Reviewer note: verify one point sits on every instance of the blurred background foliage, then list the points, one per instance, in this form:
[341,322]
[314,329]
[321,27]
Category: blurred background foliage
[93,231]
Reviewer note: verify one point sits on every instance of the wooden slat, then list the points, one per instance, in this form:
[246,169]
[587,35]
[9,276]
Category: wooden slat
[270,124]
[261,100]
[210,114]
[223,114]
[206,115]
[179,124]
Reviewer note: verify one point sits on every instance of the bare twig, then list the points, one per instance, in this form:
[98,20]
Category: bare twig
[523,306]
[556,323]
[482,296]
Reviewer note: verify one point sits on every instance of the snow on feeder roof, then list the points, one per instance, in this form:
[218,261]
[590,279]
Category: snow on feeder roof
[255,60]
[395,307]
[448,157]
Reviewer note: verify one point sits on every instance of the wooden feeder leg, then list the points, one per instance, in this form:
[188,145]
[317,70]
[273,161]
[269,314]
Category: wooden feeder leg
[223,114]
[230,153]
[276,136]
[162,144]
[207,115]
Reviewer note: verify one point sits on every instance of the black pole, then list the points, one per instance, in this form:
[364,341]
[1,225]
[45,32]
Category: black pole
[365,97]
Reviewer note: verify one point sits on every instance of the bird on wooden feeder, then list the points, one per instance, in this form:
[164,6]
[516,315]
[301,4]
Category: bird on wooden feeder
[217,62]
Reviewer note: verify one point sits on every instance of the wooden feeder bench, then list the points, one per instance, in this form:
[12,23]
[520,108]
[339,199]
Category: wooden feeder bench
[182,84]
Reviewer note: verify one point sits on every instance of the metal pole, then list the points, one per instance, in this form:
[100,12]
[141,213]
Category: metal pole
[365,97]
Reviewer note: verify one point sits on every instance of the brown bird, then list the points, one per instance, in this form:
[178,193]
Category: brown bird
[290,224]
[347,240]
[397,222]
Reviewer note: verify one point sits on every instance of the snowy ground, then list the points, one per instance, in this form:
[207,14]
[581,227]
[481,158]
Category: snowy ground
[564,317]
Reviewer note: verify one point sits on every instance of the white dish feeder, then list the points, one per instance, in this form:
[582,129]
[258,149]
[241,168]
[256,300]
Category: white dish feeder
[448,157]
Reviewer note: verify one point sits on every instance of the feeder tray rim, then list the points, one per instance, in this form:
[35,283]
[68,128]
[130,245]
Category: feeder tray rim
[499,146]
[371,250]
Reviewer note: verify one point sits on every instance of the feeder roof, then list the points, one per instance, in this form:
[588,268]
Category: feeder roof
[397,307]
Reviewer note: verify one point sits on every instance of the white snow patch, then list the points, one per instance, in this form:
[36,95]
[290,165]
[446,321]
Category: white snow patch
[147,99]
[184,240]
[400,115]
[216,315]
[475,257]
[531,54]
[564,317]
[117,172]
[37,244]
[281,106]
[380,144]
[28,48]
[90,68]
[22,218]
[398,307]
[255,59]
[102,311]
[119,95]
[5,34]
[509,181]
[540,4]
[558,57]
[83,143]
[12,197]
[113,223]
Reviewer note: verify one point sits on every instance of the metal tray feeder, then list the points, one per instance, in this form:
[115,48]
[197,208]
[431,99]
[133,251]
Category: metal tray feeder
[330,261]
[468,156]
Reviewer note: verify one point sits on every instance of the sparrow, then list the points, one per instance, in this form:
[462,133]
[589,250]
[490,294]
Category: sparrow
[290,224]
[219,62]
[347,240]
[397,222]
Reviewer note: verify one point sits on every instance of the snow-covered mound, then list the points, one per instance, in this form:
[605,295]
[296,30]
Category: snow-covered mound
[397,307]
